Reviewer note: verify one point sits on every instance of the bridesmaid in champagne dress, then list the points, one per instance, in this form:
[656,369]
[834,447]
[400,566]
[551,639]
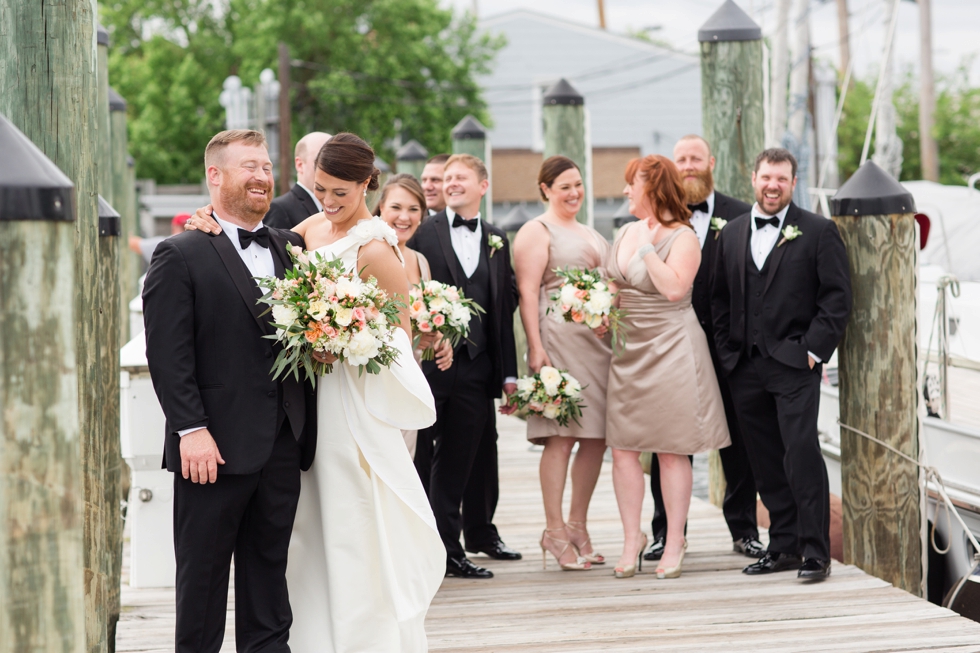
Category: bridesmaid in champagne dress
[663,393]
[556,240]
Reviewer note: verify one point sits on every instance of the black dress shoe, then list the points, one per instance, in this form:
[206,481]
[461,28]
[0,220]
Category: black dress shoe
[772,562]
[814,569]
[749,546]
[656,550]
[463,568]
[497,550]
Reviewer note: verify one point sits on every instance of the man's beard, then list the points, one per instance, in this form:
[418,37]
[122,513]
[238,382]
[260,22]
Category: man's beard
[244,206]
[697,190]
[783,201]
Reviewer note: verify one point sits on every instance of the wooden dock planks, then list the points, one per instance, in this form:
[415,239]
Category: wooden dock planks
[712,607]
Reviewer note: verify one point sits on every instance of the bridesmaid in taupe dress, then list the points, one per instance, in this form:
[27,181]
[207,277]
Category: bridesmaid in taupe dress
[556,240]
[663,393]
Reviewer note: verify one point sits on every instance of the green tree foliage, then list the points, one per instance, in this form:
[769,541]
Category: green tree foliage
[957,128]
[379,68]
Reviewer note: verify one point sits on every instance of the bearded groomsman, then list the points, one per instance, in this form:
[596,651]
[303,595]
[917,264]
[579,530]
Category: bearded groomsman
[299,203]
[710,211]
[781,300]
[467,252]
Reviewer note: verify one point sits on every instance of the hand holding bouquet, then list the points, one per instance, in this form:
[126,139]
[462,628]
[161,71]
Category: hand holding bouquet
[436,307]
[585,298]
[319,307]
[551,393]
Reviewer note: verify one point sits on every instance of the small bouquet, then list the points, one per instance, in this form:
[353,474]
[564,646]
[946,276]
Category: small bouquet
[320,307]
[552,394]
[437,307]
[585,298]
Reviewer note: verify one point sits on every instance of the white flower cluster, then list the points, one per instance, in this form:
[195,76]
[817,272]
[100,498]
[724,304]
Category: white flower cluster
[550,393]
[584,305]
[435,305]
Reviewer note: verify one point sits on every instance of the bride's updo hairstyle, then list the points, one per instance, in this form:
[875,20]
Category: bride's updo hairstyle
[663,188]
[346,156]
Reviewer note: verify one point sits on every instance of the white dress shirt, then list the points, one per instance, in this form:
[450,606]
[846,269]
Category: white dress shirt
[701,221]
[319,207]
[466,243]
[764,240]
[257,259]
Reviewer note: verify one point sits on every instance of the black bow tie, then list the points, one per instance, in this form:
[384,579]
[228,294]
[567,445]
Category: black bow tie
[762,222]
[459,221]
[702,207]
[260,237]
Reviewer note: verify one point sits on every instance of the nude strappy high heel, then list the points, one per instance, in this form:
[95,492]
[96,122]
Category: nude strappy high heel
[594,557]
[630,570]
[580,564]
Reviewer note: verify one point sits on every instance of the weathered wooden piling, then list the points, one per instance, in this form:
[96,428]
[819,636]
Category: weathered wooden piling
[470,137]
[881,503]
[731,97]
[47,86]
[566,132]
[411,158]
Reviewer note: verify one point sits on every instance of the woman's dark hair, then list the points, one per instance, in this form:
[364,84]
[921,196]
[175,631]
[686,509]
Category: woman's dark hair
[662,186]
[550,169]
[408,183]
[346,156]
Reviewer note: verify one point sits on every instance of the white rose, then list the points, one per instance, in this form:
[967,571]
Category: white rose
[599,302]
[600,286]
[593,320]
[437,303]
[343,316]
[551,411]
[362,348]
[572,387]
[284,315]
[551,379]
[318,309]
[525,387]
[567,296]
[460,316]
[348,287]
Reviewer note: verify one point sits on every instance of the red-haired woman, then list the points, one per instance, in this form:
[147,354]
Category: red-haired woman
[663,394]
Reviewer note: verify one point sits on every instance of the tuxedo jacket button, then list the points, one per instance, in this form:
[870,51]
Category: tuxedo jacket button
[286,404]
[272,393]
[268,354]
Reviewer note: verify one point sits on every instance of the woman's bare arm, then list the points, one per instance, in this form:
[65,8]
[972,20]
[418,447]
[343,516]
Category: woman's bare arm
[675,276]
[377,259]
[531,256]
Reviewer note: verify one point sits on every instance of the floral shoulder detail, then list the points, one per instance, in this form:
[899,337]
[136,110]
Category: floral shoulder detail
[374,229]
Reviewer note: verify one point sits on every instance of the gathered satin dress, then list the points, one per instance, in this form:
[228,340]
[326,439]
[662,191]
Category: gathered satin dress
[365,558]
[570,346]
[663,394]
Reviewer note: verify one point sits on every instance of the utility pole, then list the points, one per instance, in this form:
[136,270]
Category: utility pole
[799,100]
[844,32]
[602,14]
[888,146]
[779,79]
[285,121]
[927,95]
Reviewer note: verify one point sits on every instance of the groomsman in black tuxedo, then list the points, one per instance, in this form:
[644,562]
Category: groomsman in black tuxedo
[781,301]
[299,203]
[235,439]
[710,211]
[468,252]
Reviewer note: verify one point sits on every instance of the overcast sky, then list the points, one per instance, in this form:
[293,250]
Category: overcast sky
[956,25]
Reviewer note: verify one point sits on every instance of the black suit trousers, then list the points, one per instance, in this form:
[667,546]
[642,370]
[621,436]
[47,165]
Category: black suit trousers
[739,505]
[464,456]
[251,517]
[777,409]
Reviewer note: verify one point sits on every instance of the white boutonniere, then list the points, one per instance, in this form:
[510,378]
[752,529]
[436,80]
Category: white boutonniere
[792,232]
[717,224]
[495,242]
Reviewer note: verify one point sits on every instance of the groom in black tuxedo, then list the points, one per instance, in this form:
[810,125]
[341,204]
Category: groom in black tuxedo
[235,439]
[457,457]
[710,211]
[781,301]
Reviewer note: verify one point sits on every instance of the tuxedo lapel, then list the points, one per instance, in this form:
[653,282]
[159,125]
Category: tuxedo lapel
[246,286]
[777,250]
[446,244]
[305,199]
[280,257]
[744,233]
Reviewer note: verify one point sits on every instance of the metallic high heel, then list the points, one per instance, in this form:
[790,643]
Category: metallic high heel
[630,570]
[580,564]
[675,571]
[594,557]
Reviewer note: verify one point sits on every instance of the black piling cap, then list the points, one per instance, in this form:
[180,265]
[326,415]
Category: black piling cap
[110,224]
[412,151]
[116,101]
[382,165]
[563,94]
[469,128]
[872,191]
[103,36]
[31,186]
[729,23]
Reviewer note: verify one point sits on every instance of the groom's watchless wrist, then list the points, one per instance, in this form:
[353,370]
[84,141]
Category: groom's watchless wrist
[193,429]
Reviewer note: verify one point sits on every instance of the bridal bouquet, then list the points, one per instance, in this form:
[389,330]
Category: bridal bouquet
[585,298]
[318,307]
[551,393]
[437,307]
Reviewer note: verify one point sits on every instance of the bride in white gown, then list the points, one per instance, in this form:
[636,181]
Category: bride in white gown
[365,559]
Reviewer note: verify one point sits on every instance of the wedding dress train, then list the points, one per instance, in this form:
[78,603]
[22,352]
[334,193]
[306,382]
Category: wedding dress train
[365,559]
